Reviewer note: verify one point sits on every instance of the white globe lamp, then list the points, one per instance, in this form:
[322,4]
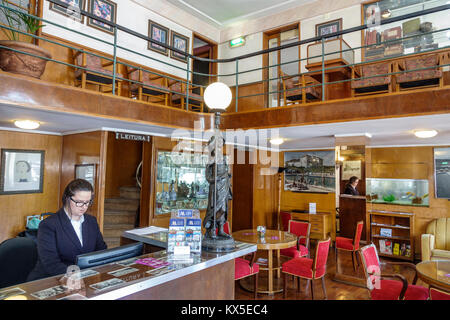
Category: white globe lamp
[217,96]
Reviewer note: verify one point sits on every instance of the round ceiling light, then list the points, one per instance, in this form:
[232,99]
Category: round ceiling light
[27,124]
[425,133]
[276,141]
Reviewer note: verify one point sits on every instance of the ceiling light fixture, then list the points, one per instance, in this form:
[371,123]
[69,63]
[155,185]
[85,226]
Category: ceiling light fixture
[276,141]
[425,133]
[27,124]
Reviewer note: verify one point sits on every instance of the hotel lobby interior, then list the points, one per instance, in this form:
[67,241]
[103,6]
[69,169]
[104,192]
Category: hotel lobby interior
[235,150]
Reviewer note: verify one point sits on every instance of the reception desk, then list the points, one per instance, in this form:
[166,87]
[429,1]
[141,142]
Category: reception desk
[351,210]
[204,276]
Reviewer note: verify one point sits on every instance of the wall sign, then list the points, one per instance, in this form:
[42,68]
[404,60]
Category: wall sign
[134,137]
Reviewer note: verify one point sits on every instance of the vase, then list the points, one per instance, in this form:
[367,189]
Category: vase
[20,63]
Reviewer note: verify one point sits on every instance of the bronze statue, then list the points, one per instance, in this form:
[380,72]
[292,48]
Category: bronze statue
[219,180]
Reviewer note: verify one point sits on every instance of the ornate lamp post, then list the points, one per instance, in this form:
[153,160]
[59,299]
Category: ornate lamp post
[217,97]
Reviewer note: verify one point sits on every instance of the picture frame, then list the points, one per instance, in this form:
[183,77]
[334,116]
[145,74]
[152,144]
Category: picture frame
[22,171]
[105,9]
[350,169]
[77,16]
[180,42]
[329,27]
[159,33]
[442,173]
[310,171]
[87,172]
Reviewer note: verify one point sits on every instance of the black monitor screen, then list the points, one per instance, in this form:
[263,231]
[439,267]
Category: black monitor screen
[97,258]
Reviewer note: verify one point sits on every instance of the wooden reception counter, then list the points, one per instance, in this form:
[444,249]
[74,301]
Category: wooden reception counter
[205,276]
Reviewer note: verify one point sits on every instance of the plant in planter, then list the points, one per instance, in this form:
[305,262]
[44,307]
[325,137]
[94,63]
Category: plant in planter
[17,62]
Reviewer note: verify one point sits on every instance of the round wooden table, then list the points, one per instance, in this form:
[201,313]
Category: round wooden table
[273,240]
[435,273]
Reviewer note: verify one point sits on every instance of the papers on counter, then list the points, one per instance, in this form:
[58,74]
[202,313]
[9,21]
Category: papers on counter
[147,230]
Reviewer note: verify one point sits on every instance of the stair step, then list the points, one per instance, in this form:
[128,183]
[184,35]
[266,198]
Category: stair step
[130,192]
[112,242]
[116,230]
[119,217]
[115,204]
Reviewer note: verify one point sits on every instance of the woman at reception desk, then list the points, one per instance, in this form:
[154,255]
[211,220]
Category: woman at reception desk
[352,208]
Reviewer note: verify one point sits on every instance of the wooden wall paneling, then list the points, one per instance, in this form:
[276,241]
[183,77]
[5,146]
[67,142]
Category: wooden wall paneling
[147,184]
[251,103]
[242,193]
[85,148]
[420,163]
[16,207]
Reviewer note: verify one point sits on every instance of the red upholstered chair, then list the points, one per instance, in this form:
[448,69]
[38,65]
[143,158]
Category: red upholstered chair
[437,294]
[178,98]
[285,218]
[309,269]
[348,244]
[153,86]
[301,230]
[244,268]
[381,286]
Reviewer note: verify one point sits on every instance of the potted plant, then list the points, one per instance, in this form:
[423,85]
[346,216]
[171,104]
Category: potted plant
[16,62]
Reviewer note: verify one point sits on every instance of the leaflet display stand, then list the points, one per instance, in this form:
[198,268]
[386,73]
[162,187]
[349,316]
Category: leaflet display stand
[184,232]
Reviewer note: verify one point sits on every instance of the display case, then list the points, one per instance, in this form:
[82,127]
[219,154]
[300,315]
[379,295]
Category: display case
[180,182]
[427,32]
[410,192]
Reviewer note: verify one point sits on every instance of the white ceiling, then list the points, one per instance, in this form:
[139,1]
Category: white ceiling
[385,132]
[222,13]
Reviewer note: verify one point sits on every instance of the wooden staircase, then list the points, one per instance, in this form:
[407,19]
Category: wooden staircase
[120,215]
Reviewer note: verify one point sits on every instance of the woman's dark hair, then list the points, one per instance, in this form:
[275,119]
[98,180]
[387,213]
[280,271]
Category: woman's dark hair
[75,186]
[352,179]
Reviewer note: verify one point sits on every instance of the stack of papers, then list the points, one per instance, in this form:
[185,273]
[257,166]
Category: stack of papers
[147,230]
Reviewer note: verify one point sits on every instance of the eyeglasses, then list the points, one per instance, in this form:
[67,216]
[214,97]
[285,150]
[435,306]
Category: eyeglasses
[81,203]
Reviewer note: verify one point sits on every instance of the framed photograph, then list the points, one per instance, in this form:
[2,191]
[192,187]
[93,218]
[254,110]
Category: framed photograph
[350,169]
[104,9]
[86,172]
[179,42]
[73,11]
[22,171]
[442,172]
[329,27]
[309,171]
[159,33]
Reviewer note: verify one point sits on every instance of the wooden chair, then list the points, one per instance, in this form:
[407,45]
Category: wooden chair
[178,99]
[351,245]
[438,294]
[381,286]
[298,89]
[302,230]
[379,79]
[411,78]
[96,73]
[244,268]
[153,86]
[309,269]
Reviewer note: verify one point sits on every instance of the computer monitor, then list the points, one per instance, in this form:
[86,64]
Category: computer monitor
[97,258]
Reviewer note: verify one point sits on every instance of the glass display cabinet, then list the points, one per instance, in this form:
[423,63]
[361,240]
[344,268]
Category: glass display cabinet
[180,182]
[410,192]
[427,32]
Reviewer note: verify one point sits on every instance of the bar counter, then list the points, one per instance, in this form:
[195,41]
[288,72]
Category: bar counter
[203,276]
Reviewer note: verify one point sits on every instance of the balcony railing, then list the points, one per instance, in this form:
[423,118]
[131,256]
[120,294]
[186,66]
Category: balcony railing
[325,57]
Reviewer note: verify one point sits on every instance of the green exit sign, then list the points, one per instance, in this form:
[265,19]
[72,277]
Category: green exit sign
[445,162]
[237,42]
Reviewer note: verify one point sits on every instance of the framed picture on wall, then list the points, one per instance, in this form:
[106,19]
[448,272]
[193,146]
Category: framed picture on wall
[159,33]
[442,172]
[350,169]
[329,27]
[179,42]
[309,171]
[104,9]
[22,171]
[86,172]
[73,11]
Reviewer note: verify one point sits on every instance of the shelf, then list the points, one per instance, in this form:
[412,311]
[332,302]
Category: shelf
[392,237]
[394,256]
[390,226]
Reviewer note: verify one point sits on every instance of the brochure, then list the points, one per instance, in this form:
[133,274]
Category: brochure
[194,234]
